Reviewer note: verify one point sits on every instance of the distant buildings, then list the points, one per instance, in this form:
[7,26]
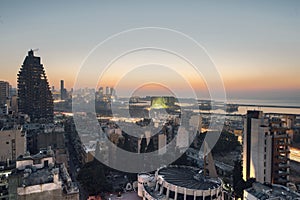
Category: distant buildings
[265,150]
[107,90]
[34,95]
[63,91]
[103,100]
[101,91]
[110,93]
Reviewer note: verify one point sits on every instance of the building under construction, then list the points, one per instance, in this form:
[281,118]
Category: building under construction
[34,95]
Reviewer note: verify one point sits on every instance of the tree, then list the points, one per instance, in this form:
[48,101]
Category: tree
[226,143]
[239,185]
[92,178]
[238,182]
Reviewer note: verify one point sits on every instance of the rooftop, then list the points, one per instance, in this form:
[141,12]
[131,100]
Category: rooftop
[188,177]
[263,192]
[36,177]
[43,153]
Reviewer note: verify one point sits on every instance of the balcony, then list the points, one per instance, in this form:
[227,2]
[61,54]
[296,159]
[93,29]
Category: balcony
[284,151]
[283,143]
[282,158]
[282,181]
[283,166]
[283,173]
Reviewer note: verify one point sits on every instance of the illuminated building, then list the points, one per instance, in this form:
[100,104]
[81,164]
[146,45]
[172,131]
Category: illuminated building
[265,150]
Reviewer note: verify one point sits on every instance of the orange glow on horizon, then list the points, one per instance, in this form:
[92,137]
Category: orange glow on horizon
[229,83]
[232,82]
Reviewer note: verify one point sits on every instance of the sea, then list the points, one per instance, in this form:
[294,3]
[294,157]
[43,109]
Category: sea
[279,106]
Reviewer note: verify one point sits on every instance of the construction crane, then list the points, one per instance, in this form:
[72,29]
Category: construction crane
[35,49]
[30,53]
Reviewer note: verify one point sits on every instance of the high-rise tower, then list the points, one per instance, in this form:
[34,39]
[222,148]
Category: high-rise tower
[63,91]
[4,92]
[265,150]
[34,95]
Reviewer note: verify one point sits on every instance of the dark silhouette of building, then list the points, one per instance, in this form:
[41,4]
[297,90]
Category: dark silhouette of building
[4,92]
[34,95]
[63,91]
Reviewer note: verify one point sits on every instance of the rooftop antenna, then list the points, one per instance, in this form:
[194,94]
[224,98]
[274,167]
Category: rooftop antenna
[30,53]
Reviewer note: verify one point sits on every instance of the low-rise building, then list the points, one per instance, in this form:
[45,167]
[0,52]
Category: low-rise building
[262,191]
[39,177]
[179,182]
[5,170]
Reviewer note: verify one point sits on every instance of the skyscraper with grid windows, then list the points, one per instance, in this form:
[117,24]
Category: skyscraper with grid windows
[34,94]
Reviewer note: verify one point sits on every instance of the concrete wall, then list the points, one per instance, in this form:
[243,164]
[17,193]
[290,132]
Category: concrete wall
[12,144]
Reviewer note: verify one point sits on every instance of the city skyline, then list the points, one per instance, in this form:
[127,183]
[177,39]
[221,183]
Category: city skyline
[254,45]
[148,100]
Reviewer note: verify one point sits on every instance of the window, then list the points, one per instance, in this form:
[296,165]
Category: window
[46,163]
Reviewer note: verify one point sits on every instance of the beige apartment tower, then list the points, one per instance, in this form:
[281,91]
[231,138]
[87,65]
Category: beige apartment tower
[265,150]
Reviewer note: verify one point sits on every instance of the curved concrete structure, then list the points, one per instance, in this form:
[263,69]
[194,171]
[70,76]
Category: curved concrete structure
[182,183]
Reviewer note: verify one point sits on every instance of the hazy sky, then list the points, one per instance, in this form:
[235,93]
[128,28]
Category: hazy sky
[255,45]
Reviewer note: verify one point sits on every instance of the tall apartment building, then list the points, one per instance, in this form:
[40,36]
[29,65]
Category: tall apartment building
[14,103]
[4,92]
[34,94]
[265,150]
[107,90]
[280,170]
[63,91]
[101,91]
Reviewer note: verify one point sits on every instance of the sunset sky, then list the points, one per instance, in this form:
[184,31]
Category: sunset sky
[255,45]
